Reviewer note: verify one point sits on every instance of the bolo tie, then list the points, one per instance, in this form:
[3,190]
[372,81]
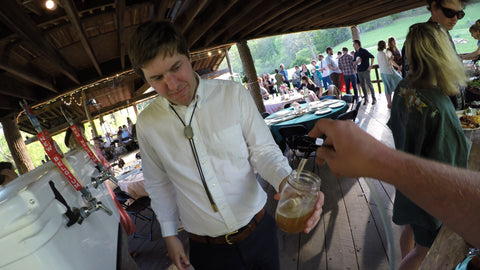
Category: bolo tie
[188,132]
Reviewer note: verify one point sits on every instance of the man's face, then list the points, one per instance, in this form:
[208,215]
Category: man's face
[330,52]
[475,35]
[320,58]
[355,46]
[438,14]
[282,67]
[172,77]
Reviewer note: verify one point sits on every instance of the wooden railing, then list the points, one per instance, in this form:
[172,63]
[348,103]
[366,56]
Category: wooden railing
[378,79]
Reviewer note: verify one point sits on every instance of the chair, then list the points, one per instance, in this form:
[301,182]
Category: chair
[348,98]
[350,115]
[265,114]
[137,209]
[290,133]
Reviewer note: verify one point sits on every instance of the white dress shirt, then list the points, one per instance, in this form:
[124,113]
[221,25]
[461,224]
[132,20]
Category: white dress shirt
[232,140]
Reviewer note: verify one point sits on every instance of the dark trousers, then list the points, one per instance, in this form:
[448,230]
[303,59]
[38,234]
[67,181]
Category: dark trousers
[259,251]
[353,80]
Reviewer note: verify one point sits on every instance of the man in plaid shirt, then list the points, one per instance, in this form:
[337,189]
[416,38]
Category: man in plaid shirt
[346,65]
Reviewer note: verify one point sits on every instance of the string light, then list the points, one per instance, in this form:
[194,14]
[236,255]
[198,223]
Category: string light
[50,4]
[219,51]
[72,99]
[209,53]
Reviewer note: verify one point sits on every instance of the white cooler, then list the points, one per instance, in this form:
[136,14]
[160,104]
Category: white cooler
[33,231]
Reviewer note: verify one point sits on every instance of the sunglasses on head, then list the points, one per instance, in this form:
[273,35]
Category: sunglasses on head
[450,13]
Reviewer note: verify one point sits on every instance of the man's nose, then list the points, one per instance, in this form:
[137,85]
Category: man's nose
[171,81]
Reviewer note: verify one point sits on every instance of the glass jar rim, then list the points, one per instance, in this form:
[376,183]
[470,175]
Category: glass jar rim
[305,177]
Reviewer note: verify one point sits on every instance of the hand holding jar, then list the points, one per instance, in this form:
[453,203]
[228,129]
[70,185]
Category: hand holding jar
[298,202]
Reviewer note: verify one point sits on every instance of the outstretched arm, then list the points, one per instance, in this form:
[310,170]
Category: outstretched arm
[471,56]
[450,194]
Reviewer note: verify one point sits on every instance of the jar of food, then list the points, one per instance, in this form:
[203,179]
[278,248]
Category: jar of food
[297,201]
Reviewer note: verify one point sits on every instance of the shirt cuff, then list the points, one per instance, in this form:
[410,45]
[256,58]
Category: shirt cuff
[282,173]
[169,228]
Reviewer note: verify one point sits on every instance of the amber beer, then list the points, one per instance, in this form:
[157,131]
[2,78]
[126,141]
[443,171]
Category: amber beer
[291,222]
[297,201]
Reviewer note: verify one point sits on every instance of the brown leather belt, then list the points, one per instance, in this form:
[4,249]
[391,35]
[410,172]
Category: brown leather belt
[233,237]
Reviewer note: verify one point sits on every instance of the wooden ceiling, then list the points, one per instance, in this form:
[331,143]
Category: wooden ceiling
[53,58]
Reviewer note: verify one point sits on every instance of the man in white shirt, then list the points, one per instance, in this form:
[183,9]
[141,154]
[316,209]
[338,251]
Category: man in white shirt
[333,67]
[201,142]
[325,71]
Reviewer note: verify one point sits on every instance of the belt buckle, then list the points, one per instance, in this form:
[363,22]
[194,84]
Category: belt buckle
[228,235]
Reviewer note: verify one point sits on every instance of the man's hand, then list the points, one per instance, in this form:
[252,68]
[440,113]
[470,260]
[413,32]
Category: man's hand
[177,252]
[317,211]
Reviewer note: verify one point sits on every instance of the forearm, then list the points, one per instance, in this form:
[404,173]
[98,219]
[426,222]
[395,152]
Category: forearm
[450,194]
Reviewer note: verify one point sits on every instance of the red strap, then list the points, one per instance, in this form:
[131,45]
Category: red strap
[125,218]
[81,140]
[56,157]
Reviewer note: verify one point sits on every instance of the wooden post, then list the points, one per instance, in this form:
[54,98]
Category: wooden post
[355,32]
[229,65]
[89,116]
[135,109]
[249,68]
[17,146]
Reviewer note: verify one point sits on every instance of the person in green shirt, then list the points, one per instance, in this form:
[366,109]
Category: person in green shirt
[424,123]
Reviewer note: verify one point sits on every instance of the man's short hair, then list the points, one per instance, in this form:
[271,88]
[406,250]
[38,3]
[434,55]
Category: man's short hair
[328,49]
[6,165]
[356,41]
[152,38]
[439,2]
[345,49]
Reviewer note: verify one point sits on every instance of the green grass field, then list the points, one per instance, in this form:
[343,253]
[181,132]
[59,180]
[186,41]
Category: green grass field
[399,30]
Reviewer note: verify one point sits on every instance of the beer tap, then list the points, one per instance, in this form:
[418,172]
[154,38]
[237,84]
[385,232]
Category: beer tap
[307,144]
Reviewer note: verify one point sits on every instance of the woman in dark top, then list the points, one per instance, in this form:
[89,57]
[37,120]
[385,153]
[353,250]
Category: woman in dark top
[424,123]
[397,55]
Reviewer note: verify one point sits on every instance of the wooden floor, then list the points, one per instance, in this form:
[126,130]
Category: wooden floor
[350,234]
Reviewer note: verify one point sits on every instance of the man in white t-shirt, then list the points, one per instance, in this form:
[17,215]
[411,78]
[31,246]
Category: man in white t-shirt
[325,71]
[333,67]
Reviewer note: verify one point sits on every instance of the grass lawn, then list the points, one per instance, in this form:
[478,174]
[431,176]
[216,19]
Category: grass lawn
[399,29]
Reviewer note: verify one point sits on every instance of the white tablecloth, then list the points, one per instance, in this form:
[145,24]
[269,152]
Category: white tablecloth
[133,183]
[276,104]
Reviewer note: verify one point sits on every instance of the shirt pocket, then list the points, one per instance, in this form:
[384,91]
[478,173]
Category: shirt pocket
[229,142]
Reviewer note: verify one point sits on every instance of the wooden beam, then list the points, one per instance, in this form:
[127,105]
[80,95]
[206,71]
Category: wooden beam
[159,9]
[20,22]
[120,21]
[72,13]
[231,20]
[28,76]
[185,20]
[10,87]
[285,9]
[293,15]
[207,19]
[141,90]
[265,10]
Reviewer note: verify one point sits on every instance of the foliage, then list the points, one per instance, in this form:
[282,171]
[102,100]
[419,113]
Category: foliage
[295,49]
[36,151]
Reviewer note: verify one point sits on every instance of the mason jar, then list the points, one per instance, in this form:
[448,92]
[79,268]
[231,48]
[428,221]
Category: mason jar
[297,201]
